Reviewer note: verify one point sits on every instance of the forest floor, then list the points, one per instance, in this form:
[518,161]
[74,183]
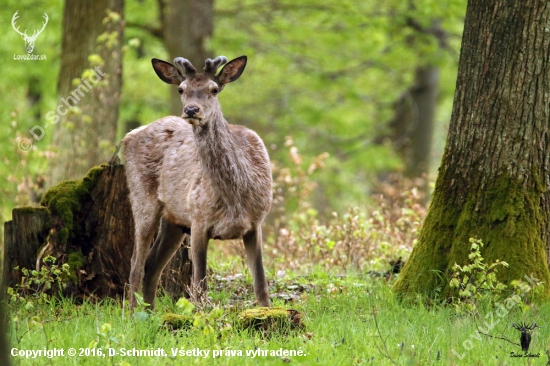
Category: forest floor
[343,320]
[334,276]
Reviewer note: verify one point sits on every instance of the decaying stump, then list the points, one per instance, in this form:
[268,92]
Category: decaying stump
[88,224]
[24,235]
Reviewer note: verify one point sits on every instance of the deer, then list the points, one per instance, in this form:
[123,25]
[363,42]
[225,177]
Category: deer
[196,174]
[29,40]
[525,338]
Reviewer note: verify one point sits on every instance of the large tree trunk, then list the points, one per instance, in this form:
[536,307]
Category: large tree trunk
[186,26]
[494,180]
[86,117]
[88,224]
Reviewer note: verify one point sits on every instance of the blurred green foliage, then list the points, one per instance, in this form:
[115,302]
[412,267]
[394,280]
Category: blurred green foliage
[325,73]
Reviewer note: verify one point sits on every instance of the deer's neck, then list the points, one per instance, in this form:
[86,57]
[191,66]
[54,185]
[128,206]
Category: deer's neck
[224,162]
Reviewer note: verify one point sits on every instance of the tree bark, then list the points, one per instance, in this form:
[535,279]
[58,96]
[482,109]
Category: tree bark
[494,180]
[86,117]
[412,125]
[24,236]
[186,26]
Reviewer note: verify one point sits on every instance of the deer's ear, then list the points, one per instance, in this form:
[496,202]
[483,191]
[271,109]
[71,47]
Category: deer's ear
[232,70]
[167,72]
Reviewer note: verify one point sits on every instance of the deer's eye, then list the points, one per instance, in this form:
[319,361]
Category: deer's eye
[215,91]
[180,90]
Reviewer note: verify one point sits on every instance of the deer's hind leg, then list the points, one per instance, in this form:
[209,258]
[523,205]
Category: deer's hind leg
[167,243]
[146,209]
[142,164]
[146,220]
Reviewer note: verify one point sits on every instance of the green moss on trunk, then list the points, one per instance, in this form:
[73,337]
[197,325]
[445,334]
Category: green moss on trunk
[65,199]
[75,260]
[505,215]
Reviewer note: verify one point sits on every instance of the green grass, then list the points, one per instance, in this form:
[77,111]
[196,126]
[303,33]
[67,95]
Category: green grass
[340,314]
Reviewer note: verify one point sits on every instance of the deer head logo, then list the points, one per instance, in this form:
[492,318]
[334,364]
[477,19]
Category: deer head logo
[29,40]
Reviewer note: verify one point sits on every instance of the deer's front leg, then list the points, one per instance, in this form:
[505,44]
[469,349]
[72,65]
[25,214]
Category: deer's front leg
[253,246]
[199,248]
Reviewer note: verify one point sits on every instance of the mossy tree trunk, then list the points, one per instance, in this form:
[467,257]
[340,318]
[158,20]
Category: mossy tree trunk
[494,178]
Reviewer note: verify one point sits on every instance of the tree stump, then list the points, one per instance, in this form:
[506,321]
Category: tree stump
[88,224]
[24,235]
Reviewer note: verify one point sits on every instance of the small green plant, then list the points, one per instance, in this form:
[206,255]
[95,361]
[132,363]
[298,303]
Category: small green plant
[524,294]
[476,280]
[103,339]
[212,322]
[38,286]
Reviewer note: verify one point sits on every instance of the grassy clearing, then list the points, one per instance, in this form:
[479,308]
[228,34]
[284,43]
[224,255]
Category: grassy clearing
[349,320]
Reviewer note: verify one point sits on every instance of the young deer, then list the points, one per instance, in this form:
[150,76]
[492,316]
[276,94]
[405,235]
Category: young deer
[196,173]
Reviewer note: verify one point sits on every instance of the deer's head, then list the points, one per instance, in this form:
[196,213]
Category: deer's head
[29,40]
[199,91]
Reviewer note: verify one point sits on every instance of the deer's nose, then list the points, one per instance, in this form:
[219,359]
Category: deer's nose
[191,111]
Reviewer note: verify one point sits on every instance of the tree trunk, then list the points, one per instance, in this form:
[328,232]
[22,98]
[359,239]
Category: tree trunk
[412,125]
[88,224]
[24,236]
[424,96]
[494,180]
[186,26]
[87,113]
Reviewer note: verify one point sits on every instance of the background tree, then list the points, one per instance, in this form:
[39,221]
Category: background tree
[186,26]
[86,134]
[411,128]
[493,181]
